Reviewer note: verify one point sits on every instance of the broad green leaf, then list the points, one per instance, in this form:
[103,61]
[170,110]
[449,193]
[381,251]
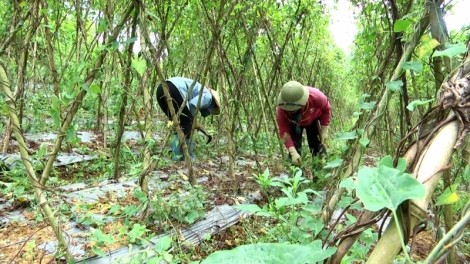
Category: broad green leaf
[55,103]
[411,106]
[401,166]
[98,252]
[348,183]
[163,243]
[272,253]
[102,238]
[386,161]
[137,231]
[451,51]
[364,142]
[139,65]
[333,164]
[394,85]
[449,196]
[95,89]
[401,25]
[346,135]
[85,87]
[357,114]
[386,188]
[413,65]
[367,105]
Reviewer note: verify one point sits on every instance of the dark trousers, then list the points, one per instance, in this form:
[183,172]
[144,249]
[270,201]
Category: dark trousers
[185,119]
[313,140]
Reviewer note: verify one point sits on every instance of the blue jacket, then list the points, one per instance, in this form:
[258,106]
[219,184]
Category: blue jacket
[183,85]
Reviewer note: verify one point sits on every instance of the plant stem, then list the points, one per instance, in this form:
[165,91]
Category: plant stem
[457,227]
[403,246]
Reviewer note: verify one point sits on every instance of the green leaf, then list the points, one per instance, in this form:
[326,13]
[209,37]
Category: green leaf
[364,142]
[249,207]
[357,114]
[85,87]
[98,252]
[411,106]
[266,172]
[413,65]
[114,209]
[394,85]
[346,135]
[333,164]
[466,173]
[139,65]
[401,166]
[55,103]
[272,253]
[386,161]
[449,196]
[401,25]
[102,25]
[386,187]
[348,183]
[102,238]
[131,40]
[137,231]
[367,105]
[95,89]
[114,45]
[55,115]
[451,51]
[163,244]
[42,151]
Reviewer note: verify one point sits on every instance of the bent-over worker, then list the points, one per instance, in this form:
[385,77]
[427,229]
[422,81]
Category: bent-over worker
[179,88]
[302,107]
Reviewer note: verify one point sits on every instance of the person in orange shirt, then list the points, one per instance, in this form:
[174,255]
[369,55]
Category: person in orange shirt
[301,107]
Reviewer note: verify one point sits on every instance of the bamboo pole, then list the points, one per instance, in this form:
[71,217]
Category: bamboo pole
[79,98]
[369,130]
[428,171]
[37,187]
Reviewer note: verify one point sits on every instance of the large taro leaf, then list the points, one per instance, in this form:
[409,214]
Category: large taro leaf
[271,253]
[386,187]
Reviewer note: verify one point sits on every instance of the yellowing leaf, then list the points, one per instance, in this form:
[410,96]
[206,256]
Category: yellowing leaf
[183,176]
[449,196]
[427,46]
[169,124]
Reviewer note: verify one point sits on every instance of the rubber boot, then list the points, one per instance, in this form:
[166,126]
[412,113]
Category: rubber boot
[178,154]
[176,148]
[191,148]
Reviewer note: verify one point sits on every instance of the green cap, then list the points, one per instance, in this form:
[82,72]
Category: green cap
[293,96]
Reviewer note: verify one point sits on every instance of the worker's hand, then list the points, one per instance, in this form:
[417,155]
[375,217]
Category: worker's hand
[324,133]
[296,159]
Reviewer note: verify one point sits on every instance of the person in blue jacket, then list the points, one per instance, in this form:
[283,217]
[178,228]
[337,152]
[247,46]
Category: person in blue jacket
[179,88]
